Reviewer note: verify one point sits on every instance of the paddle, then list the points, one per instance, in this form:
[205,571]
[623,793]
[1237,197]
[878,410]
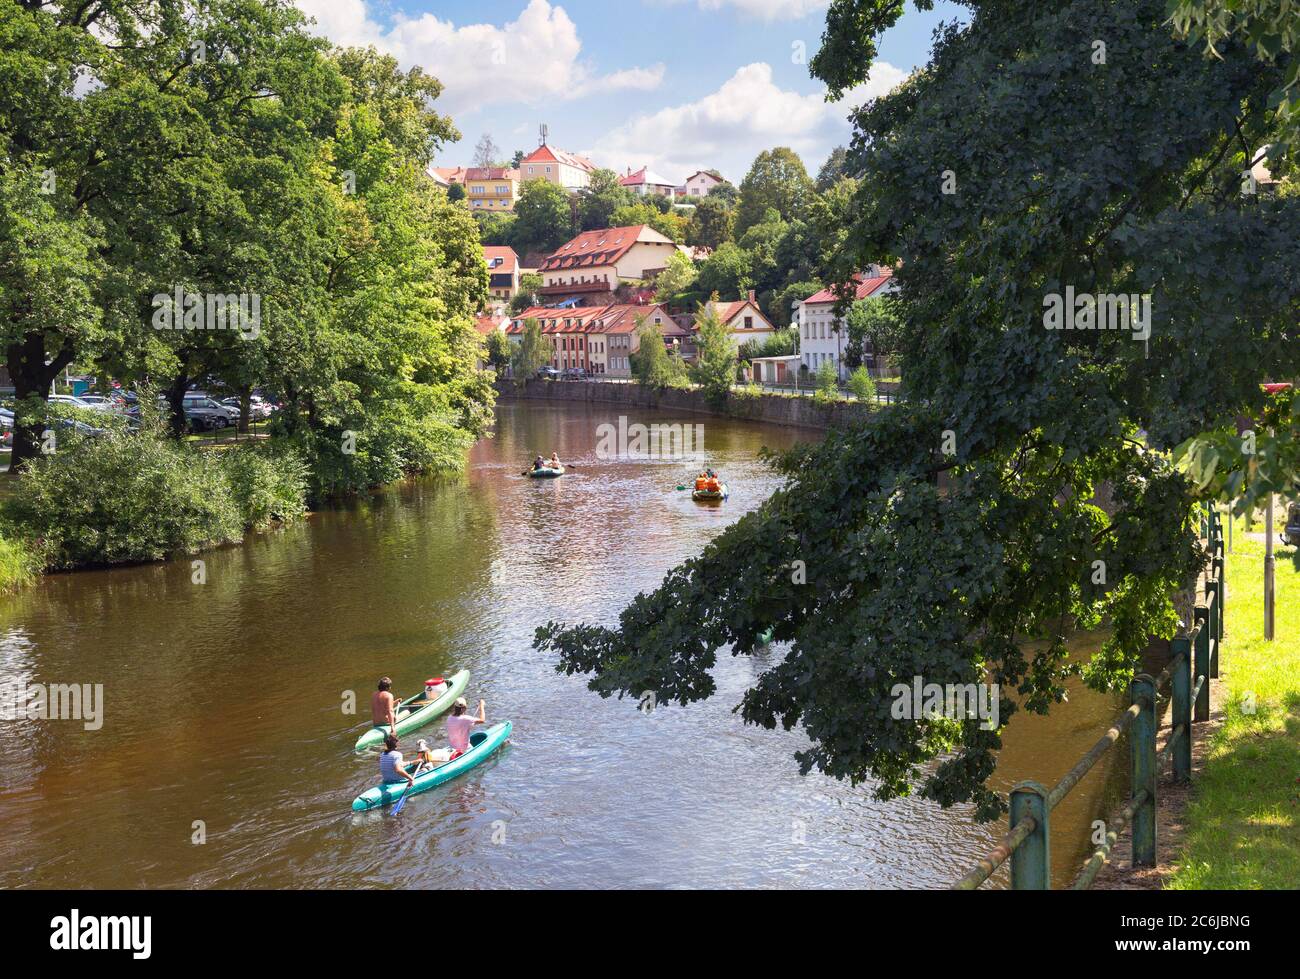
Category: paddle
[409,785]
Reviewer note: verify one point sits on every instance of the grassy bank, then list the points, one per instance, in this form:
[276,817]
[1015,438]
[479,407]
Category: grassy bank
[19,566]
[1244,821]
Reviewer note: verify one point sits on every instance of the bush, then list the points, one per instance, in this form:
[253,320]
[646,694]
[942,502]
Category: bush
[123,498]
[828,383]
[268,487]
[19,565]
[861,384]
[387,447]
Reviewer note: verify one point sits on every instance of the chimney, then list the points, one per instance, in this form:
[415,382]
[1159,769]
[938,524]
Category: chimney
[752,297]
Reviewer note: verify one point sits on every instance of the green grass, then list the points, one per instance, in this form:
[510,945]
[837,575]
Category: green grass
[18,565]
[1244,820]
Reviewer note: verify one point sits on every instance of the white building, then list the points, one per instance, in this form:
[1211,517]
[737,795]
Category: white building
[700,183]
[823,337]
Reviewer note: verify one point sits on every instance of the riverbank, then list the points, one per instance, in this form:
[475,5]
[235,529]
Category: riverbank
[1243,823]
[771,409]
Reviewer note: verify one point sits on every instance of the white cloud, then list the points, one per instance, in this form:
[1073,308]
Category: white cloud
[533,58]
[768,10]
[726,129]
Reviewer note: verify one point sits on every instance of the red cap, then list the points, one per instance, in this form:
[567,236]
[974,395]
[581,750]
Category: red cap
[434,682]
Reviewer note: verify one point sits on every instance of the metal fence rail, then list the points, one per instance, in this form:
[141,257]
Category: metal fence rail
[1193,661]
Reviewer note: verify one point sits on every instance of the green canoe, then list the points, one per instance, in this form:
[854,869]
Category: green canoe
[482,745]
[547,473]
[413,714]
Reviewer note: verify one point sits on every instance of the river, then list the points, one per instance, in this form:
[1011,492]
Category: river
[224,756]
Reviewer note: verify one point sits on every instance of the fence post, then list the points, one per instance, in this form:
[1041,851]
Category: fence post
[1142,747]
[1215,613]
[1031,863]
[1221,584]
[1202,664]
[1181,712]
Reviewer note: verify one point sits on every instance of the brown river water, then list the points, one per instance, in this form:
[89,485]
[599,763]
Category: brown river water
[222,704]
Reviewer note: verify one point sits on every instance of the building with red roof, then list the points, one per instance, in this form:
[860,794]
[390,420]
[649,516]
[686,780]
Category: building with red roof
[593,265]
[560,167]
[824,335]
[646,182]
[598,339]
[744,319]
[503,271]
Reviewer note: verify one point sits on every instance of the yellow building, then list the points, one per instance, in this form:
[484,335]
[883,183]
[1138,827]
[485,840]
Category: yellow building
[491,189]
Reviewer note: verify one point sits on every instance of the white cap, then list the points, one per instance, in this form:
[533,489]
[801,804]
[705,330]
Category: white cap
[462,702]
[424,745]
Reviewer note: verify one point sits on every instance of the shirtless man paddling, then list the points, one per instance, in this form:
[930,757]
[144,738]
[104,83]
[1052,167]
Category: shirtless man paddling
[383,706]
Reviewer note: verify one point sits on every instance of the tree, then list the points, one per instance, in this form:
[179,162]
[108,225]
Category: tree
[651,364]
[776,180]
[861,384]
[530,284]
[49,273]
[1270,26]
[598,201]
[726,192]
[669,225]
[712,223]
[543,220]
[456,192]
[531,354]
[1059,504]
[677,276]
[517,160]
[872,324]
[727,272]
[781,312]
[715,362]
[498,350]
[487,153]
[826,382]
[833,170]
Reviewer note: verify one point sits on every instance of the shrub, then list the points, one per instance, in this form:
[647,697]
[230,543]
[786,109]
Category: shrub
[19,564]
[861,384]
[268,486]
[828,383]
[123,498]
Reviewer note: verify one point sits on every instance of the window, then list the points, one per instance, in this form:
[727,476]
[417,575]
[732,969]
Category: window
[749,322]
[530,171]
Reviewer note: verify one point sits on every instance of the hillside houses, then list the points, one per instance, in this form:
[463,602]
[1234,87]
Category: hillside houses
[599,339]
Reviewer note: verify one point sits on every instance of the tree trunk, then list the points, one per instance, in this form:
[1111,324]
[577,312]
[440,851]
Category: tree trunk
[245,408]
[176,404]
[32,378]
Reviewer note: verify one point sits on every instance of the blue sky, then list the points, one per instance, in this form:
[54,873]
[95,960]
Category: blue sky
[677,85]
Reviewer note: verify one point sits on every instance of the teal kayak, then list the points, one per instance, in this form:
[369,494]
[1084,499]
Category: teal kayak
[482,746]
[413,714]
[547,473]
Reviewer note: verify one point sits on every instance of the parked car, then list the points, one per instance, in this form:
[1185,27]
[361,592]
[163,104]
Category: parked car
[258,410]
[75,402]
[202,413]
[102,402]
[575,374]
[548,374]
[1291,533]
